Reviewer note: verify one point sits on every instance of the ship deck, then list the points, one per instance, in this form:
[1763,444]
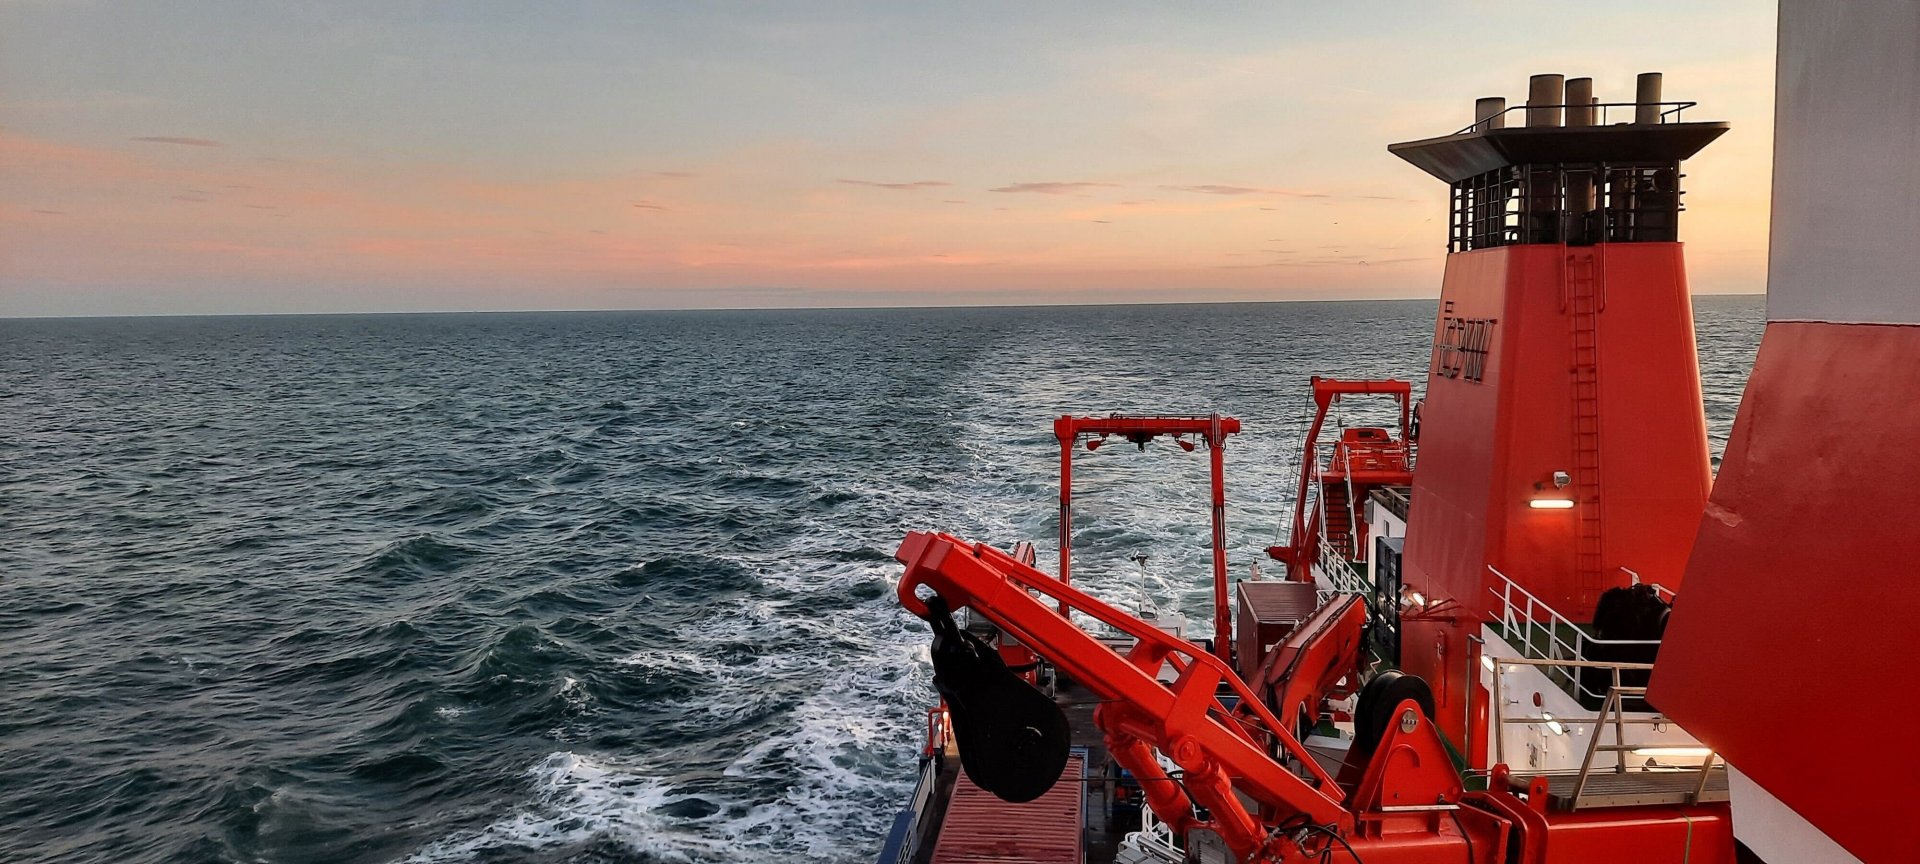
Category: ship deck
[1102,836]
[1630,789]
[1017,830]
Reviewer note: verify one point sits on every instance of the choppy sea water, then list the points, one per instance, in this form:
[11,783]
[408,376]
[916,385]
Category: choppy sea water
[605,587]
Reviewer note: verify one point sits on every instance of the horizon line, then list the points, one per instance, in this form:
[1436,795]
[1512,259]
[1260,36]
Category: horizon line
[760,308]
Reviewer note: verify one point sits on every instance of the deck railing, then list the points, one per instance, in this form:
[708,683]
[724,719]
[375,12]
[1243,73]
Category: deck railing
[1603,116]
[1539,632]
[902,845]
[1155,838]
[1612,714]
[1665,594]
[1336,453]
[1342,576]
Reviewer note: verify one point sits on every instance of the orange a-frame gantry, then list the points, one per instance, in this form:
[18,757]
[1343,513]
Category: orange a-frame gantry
[1212,429]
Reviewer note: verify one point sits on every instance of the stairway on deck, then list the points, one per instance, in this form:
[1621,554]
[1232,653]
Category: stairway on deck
[1339,517]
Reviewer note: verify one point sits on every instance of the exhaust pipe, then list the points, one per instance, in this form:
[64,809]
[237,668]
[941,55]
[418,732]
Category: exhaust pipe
[1579,101]
[1646,96]
[1490,112]
[1582,195]
[1544,98]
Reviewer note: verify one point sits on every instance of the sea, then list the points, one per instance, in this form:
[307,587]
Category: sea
[582,587]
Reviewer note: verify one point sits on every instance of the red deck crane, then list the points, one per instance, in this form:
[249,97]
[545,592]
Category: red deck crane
[1404,808]
[1399,799]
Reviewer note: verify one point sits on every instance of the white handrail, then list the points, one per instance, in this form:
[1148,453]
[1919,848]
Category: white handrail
[1319,495]
[1341,575]
[1353,513]
[1340,572]
[1522,615]
[1612,712]
[1661,591]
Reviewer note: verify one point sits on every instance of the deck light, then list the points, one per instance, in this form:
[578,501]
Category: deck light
[1551,503]
[1674,752]
[1552,724]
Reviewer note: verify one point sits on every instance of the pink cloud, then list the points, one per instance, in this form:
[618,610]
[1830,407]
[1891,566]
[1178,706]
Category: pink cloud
[185,142]
[1054,187]
[917,184]
[1217,189]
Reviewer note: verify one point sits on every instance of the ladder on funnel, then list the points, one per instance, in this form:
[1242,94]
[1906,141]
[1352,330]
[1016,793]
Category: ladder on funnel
[1582,301]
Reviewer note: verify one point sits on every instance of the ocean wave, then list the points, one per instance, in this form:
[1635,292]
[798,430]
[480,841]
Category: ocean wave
[689,578]
[610,588]
[579,801]
[417,556]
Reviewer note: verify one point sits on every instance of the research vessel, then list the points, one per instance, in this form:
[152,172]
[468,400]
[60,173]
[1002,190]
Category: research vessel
[1521,620]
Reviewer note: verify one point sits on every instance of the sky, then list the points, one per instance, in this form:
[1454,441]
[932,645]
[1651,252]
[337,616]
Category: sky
[194,157]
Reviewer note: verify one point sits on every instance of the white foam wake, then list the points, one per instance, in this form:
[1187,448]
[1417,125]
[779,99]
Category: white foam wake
[579,800]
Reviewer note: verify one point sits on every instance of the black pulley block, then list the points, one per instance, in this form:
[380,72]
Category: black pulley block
[1013,740]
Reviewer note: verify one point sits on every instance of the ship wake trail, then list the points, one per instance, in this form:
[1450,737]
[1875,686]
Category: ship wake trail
[546,588]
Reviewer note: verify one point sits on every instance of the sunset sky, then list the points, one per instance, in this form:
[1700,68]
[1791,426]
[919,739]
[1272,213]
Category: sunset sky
[200,157]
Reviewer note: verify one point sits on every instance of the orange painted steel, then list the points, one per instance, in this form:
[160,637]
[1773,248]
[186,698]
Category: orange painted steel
[1664,834]
[1589,392]
[1300,672]
[1186,720]
[1797,599]
[1368,460]
[1213,429]
[1222,753]
[1491,446]
[1406,805]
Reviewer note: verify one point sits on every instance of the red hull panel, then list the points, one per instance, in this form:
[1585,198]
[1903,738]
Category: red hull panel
[1798,614]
